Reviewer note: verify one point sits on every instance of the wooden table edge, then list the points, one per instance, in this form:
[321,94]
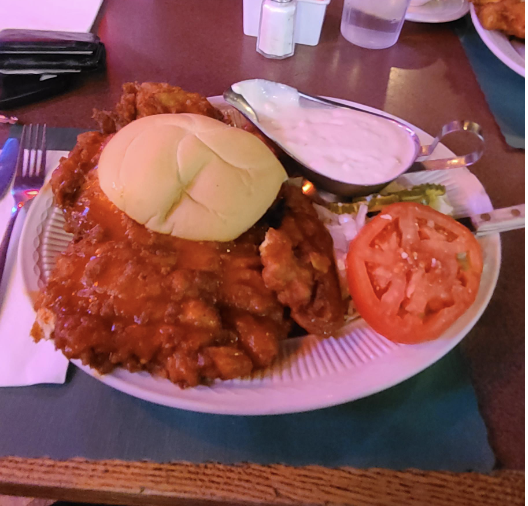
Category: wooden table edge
[139,483]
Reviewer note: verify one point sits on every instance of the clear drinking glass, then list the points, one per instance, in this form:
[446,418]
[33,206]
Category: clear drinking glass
[374,24]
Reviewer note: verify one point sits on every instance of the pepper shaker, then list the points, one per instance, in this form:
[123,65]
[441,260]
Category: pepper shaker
[276,30]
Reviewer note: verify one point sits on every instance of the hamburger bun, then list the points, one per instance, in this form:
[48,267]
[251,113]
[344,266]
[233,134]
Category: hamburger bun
[190,176]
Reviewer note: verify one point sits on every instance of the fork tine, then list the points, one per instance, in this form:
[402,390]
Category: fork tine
[42,167]
[20,158]
[31,160]
[33,153]
[29,149]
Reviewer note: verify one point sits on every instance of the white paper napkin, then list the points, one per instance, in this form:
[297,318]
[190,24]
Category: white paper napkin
[23,362]
[57,15]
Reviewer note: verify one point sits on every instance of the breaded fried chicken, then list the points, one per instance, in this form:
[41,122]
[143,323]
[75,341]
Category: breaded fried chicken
[122,295]
[146,99]
[507,16]
[299,265]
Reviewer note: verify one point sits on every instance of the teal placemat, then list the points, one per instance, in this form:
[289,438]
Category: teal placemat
[430,422]
[503,88]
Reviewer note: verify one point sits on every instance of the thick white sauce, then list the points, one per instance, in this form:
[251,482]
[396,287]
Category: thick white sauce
[345,145]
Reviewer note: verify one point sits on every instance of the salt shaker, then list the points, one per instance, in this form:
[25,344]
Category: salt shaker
[276,29]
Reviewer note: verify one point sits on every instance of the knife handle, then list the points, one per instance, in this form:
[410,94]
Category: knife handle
[500,220]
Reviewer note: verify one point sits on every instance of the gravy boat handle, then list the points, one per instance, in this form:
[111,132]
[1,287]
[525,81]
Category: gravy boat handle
[457,161]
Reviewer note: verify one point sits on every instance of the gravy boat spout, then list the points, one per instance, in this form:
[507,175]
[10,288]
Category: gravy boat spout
[265,103]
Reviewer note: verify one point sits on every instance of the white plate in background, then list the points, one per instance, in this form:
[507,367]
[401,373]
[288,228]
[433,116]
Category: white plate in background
[311,372]
[508,52]
[437,11]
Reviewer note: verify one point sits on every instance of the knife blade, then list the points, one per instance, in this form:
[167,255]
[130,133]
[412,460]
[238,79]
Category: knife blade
[8,159]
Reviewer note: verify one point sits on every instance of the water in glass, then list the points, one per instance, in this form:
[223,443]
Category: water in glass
[374,24]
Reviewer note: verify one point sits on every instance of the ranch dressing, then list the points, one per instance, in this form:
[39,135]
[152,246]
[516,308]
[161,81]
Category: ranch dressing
[342,144]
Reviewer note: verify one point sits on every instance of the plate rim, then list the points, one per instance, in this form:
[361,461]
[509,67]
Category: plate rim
[414,15]
[280,404]
[487,38]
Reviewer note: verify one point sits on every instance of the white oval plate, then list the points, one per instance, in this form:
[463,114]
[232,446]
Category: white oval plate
[437,11]
[311,372]
[511,54]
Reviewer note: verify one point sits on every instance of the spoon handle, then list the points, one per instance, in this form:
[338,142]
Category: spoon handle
[238,101]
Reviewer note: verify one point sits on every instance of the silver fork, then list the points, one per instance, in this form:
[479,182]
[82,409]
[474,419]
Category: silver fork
[29,178]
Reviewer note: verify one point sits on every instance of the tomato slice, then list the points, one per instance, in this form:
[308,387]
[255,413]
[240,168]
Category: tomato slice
[412,272]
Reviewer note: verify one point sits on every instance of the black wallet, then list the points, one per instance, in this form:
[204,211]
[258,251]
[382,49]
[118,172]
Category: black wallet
[18,90]
[44,52]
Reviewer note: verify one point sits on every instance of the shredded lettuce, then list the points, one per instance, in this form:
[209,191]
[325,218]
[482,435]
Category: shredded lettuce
[345,220]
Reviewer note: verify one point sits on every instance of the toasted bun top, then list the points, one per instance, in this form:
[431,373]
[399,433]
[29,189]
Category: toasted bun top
[190,176]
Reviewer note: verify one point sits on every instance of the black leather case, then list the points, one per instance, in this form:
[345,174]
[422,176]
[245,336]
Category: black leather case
[19,90]
[43,52]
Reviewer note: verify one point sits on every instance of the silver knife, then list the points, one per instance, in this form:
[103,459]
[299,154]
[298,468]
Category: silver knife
[8,159]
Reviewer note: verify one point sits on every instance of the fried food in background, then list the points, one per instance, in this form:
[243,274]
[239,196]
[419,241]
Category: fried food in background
[146,99]
[122,295]
[507,16]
